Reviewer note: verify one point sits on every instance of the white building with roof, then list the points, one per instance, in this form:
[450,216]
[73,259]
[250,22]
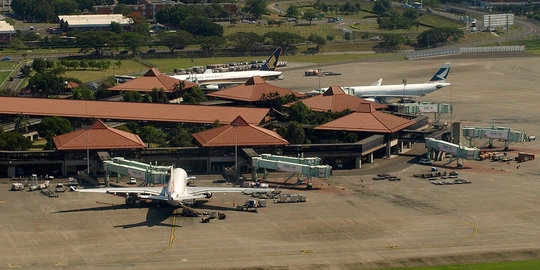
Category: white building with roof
[6,31]
[92,22]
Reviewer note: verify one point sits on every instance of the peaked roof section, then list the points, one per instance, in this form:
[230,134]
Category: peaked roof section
[252,90]
[98,136]
[150,80]
[368,120]
[239,132]
[72,85]
[129,110]
[335,100]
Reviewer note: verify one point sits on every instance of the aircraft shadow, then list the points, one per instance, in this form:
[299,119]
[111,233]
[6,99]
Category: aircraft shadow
[154,216]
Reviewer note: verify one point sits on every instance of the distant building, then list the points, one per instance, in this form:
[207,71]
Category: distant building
[92,22]
[6,31]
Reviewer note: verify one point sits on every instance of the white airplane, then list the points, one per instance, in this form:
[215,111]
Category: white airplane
[176,193]
[377,92]
[211,80]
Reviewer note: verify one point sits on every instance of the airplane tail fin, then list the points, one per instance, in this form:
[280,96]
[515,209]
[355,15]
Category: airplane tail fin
[272,62]
[442,74]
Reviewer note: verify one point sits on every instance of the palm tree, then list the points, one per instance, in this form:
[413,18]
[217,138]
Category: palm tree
[21,123]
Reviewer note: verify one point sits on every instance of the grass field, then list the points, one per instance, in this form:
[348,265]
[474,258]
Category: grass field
[302,30]
[7,65]
[127,67]
[330,58]
[481,266]
[4,76]
[373,28]
[10,52]
[438,21]
[168,65]
[530,44]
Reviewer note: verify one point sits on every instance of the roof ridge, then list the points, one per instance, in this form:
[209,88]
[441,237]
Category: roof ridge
[158,77]
[219,134]
[126,135]
[380,121]
[270,133]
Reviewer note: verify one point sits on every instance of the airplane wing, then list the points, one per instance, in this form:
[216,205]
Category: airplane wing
[394,95]
[196,191]
[142,191]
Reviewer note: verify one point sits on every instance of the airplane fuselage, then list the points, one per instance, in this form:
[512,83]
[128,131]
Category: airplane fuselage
[397,90]
[239,76]
[176,187]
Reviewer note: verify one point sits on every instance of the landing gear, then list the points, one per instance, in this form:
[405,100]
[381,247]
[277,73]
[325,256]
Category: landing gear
[131,199]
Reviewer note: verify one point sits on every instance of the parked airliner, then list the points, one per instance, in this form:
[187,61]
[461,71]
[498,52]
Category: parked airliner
[378,92]
[176,193]
[212,80]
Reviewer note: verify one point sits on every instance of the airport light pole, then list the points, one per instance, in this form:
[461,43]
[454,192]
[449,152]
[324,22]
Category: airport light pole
[87,152]
[403,93]
[235,148]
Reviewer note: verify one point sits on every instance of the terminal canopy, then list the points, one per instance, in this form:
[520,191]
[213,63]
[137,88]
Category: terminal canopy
[253,90]
[368,120]
[98,136]
[335,100]
[153,79]
[238,132]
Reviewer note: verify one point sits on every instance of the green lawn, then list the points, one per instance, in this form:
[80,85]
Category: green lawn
[330,58]
[7,65]
[4,76]
[168,65]
[88,75]
[438,21]
[10,52]
[373,28]
[481,266]
[302,30]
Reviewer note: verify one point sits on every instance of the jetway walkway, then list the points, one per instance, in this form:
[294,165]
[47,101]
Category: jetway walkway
[303,168]
[150,174]
[437,147]
[505,134]
[418,108]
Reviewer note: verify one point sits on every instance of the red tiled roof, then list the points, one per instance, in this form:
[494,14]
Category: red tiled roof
[239,132]
[252,90]
[151,79]
[335,100]
[368,121]
[72,85]
[98,136]
[129,111]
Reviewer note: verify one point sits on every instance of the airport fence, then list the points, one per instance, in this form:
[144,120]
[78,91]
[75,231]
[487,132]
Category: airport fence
[491,49]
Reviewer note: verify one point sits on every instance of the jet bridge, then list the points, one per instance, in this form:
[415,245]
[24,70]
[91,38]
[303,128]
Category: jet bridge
[303,168]
[424,107]
[495,133]
[458,152]
[148,173]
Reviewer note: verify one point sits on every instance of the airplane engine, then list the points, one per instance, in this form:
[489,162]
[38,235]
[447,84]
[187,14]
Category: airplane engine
[212,87]
[208,195]
[372,99]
